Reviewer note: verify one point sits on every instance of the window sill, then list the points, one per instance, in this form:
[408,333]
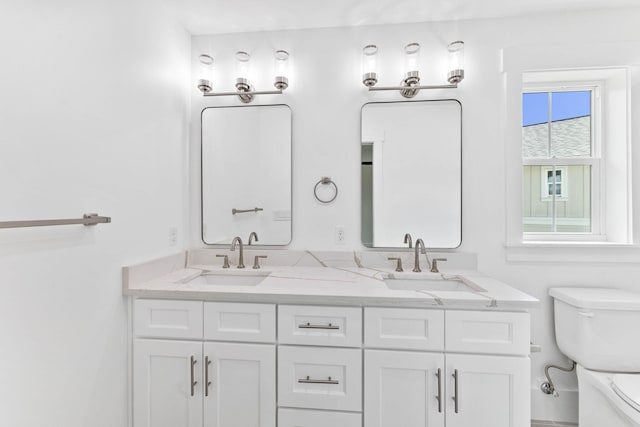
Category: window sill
[563,251]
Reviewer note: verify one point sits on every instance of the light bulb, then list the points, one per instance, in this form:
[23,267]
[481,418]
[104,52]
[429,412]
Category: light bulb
[456,57]
[242,65]
[369,65]
[205,71]
[412,60]
[282,69]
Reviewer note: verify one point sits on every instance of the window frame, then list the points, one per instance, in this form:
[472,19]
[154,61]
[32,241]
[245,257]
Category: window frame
[595,161]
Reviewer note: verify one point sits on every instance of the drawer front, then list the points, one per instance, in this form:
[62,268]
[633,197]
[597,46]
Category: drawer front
[167,318]
[326,326]
[408,329]
[487,332]
[227,321]
[307,418]
[320,378]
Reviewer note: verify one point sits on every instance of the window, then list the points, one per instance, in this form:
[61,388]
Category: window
[561,160]
[598,173]
[553,189]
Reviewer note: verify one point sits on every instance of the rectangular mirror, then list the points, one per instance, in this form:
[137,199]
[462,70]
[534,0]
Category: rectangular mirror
[411,167]
[246,174]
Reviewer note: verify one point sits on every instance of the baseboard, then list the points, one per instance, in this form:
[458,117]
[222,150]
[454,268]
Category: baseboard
[561,410]
[543,423]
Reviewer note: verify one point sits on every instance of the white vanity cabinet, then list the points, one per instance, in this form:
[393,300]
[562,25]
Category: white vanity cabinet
[197,382]
[214,364]
[445,382]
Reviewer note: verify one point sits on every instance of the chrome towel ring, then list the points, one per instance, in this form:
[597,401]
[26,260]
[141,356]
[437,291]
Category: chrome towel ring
[325,180]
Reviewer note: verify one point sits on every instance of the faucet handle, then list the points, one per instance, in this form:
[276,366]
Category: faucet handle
[226,260]
[434,264]
[398,263]
[256,261]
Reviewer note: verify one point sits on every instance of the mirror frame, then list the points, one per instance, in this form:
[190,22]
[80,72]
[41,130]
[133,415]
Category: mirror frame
[202,177]
[392,248]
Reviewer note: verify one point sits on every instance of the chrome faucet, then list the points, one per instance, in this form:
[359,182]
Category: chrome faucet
[241,255]
[418,250]
[407,239]
[252,236]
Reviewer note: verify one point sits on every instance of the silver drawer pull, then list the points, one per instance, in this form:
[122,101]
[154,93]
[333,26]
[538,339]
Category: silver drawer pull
[312,381]
[439,396]
[310,326]
[193,381]
[456,395]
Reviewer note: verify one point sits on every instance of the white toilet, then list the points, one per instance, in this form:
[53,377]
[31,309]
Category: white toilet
[600,330]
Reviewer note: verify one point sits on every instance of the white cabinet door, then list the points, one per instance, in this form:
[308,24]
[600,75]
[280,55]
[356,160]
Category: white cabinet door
[242,389]
[402,389]
[166,386]
[492,391]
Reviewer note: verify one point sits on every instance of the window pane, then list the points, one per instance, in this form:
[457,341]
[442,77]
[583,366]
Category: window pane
[573,214]
[571,124]
[535,125]
[568,212]
[537,214]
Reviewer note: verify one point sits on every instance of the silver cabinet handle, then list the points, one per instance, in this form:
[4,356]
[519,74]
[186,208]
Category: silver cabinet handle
[310,326]
[312,381]
[207,383]
[193,382]
[455,397]
[439,396]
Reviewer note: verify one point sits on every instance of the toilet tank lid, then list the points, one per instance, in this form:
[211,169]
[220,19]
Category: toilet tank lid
[598,298]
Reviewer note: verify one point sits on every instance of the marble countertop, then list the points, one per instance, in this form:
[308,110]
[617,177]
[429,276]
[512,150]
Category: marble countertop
[326,278]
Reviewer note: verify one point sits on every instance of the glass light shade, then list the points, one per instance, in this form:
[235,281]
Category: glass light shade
[242,65]
[411,58]
[369,65]
[282,69]
[205,72]
[456,61]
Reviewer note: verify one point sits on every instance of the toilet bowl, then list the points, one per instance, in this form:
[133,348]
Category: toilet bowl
[599,329]
[608,400]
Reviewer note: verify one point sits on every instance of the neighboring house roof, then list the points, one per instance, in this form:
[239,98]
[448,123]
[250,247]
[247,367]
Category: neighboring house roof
[570,138]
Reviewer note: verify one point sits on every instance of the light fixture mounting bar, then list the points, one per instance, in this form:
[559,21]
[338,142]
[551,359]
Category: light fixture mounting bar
[374,88]
[253,92]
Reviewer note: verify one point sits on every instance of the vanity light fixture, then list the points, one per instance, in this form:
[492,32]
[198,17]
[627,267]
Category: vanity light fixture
[410,84]
[244,89]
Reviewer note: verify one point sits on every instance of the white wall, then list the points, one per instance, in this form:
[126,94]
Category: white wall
[94,111]
[326,95]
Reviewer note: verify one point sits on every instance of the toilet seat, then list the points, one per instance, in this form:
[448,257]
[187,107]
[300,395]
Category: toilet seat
[608,398]
[627,387]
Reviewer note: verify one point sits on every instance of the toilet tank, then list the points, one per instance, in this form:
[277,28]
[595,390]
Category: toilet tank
[599,328]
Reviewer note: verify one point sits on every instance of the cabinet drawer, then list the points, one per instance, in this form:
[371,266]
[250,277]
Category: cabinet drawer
[327,326]
[409,329]
[320,378]
[307,418]
[487,332]
[227,321]
[167,318]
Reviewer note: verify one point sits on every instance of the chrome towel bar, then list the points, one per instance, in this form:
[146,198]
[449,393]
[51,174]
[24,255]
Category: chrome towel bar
[87,219]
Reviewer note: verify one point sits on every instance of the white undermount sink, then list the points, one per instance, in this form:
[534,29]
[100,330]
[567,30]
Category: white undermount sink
[234,278]
[456,284]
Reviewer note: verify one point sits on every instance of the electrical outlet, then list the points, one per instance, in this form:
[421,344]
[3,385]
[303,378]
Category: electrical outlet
[173,236]
[339,234]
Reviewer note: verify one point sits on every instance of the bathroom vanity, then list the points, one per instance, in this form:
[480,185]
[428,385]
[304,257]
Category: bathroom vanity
[312,345]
